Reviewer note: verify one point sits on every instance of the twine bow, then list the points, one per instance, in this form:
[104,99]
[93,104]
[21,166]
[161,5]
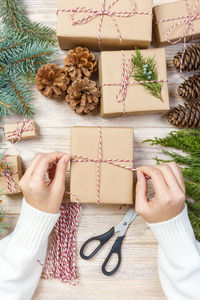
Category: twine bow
[114,162]
[125,82]
[17,133]
[93,13]
[6,172]
[188,20]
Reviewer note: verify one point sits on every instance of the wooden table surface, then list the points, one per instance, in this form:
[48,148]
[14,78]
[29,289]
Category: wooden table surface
[138,277]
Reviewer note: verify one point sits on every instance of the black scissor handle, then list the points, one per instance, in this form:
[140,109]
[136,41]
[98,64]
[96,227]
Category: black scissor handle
[116,248]
[101,238]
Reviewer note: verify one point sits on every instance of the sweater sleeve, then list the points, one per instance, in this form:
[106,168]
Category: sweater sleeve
[179,258]
[23,252]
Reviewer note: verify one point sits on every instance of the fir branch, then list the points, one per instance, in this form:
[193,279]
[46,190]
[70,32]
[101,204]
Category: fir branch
[15,19]
[27,58]
[144,69]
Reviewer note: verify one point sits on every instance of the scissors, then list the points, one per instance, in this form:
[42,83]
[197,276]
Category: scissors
[121,227]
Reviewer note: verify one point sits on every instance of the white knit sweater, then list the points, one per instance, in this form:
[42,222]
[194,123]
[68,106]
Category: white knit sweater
[179,256]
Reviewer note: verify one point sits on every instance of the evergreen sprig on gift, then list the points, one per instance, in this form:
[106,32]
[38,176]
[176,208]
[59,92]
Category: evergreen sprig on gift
[188,141]
[3,223]
[144,69]
[24,47]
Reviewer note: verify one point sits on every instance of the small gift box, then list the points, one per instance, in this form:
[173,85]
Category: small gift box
[121,93]
[104,24]
[20,131]
[10,174]
[175,21]
[102,162]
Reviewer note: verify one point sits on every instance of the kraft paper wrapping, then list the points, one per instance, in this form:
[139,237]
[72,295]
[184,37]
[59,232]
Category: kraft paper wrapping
[30,134]
[14,163]
[173,10]
[116,184]
[138,99]
[135,30]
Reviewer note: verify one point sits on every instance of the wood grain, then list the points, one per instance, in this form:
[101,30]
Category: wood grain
[137,278]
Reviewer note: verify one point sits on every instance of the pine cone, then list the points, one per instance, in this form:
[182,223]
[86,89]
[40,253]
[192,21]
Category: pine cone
[191,58]
[52,81]
[83,95]
[190,88]
[186,116]
[80,63]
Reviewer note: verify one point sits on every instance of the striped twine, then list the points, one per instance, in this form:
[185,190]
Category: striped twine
[20,128]
[61,259]
[93,13]
[11,184]
[188,20]
[125,82]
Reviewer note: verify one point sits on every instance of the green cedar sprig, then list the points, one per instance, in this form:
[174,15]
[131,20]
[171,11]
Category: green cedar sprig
[188,141]
[16,21]
[144,69]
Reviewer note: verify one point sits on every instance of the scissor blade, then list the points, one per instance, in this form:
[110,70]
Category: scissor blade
[125,222]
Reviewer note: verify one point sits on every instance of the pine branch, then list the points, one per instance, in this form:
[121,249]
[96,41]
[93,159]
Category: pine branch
[15,97]
[144,69]
[26,58]
[15,19]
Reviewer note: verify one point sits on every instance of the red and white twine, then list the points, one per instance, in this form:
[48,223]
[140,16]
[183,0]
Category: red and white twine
[188,20]
[26,125]
[125,82]
[115,162]
[93,13]
[61,259]
[6,172]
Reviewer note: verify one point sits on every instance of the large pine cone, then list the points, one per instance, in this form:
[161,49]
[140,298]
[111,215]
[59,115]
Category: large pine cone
[190,88]
[52,81]
[191,58]
[80,63]
[187,116]
[83,95]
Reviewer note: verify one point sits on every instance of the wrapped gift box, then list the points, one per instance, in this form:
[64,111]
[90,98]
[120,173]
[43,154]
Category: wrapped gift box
[29,130]
[138,99]
[116,183]
[134,31]
[15,170]
[171,10]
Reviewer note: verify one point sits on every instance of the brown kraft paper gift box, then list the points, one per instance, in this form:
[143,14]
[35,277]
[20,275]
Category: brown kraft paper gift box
[175,10]
[14,164]
[30,131]
[116,183]
[138,100]
[135,30]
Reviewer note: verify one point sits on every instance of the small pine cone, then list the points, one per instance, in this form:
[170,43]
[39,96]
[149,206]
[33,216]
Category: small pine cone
[52,81]
[190,88]
[80,63]
[187,116]
[191,58]
[83,95]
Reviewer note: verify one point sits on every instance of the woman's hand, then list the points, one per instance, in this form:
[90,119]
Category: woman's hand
[169,189]
[43,183]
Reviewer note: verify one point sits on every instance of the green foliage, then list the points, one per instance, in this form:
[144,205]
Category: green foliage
[24,47]
[144,69]
[188,141]
[3,223]
[16,21]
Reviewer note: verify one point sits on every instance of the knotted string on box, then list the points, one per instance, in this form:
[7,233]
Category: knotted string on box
[125,82]
[20,128]
[93,13]
[188,20]
[115,162]
[6,172]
